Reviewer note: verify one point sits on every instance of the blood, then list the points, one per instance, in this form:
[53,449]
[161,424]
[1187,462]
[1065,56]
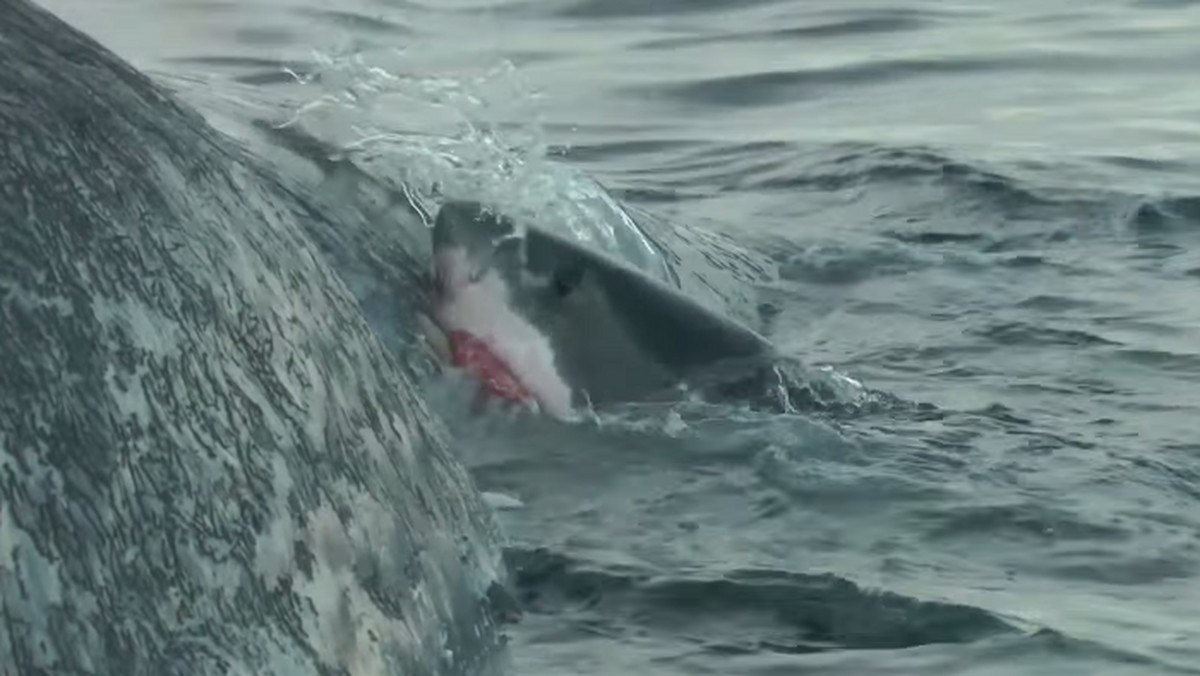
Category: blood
[468,351]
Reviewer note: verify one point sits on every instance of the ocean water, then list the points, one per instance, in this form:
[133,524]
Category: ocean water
[986,214]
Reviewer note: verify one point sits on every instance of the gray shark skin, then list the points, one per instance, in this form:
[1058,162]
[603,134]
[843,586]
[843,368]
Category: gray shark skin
[617,334]
[209,464]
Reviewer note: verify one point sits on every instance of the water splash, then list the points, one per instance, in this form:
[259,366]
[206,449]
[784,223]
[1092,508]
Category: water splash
[471,136]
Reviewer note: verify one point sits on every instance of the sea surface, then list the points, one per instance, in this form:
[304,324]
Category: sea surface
[983,220]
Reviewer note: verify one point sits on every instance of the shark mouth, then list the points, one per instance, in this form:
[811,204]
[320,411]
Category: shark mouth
[495,377]
[474,327]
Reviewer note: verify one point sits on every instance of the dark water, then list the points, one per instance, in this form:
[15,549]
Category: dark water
[986,211]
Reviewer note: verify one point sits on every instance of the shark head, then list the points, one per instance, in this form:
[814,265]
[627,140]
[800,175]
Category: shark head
[539,318]
[477,306]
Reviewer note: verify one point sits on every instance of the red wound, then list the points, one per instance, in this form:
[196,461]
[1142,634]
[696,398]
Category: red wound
[494,375]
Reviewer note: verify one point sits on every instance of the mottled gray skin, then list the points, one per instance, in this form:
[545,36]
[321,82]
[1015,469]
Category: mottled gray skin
[618,334]
[208,462]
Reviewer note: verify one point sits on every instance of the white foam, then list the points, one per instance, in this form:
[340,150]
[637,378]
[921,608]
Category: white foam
[500,501]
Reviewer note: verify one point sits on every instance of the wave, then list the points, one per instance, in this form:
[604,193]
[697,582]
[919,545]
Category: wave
[744,610]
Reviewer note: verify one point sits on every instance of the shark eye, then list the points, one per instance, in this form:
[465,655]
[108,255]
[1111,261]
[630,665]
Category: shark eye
[566,279]
[500,251]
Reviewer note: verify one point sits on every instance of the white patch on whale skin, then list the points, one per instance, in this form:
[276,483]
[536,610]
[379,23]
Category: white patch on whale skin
[273,550]
[481,307]
[30,585]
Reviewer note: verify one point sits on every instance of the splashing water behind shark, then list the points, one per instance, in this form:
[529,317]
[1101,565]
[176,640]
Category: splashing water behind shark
[467,154]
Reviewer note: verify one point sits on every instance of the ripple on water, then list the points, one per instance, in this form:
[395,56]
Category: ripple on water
[740,611]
